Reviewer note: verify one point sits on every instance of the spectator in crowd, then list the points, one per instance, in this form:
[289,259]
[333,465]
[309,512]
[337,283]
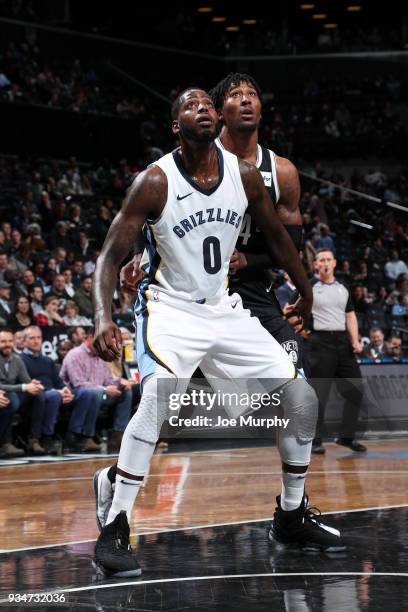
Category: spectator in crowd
[395,266]
[58,290]
[82,404]
[394,347]
[325,241]
[50,314]
[63,348]
[69,287]
[21,389]
[285,291]
[359,302]
[22,315]
[60,256]
[77,272]
[36,298]
[400,294]
[77,335]
[5,306]
[7,448]
[72,316]
[4,264]
[59,237]
[83,368]
[89,266]
[19,341]
[376,347]
[83,296]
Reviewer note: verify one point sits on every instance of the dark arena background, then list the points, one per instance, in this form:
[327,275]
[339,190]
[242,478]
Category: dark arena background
[85,95]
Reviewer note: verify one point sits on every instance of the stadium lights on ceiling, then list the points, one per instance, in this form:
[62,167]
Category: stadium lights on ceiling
[205,9]
[354,8]
[330,26]
[319,16]
[249,21]
[232,28]
[307,7]
[218,19]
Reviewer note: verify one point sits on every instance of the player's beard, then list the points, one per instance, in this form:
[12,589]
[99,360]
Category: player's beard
[206,136]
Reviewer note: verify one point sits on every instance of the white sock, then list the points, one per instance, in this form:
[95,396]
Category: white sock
[126,490]
[293,487]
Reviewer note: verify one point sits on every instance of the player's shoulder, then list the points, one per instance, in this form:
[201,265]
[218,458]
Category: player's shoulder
[250,176]
[151,182]
[286,170]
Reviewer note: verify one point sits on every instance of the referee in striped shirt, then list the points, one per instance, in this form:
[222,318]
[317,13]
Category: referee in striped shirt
[332,346]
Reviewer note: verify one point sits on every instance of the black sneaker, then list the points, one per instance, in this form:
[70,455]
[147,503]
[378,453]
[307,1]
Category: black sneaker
[113,554]
[317,447]
[355,446]
[303,527]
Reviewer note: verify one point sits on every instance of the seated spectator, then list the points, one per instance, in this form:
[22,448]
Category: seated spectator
[400,294]
[376,348]
[63,348]
[19,341]
[72,316]
[36,298]
[325,241]
[285,291]
[83,368]
[4,264]
[344,274]
[394,347]
[77,272]
[89,266]
[77,335]
[22,390]
[49,315]
[357,294]
[22,315]
[58,290]
[59,237]
[5,305]
[7,449]
[395,266]
[83,296]
[69,287]
[82,404]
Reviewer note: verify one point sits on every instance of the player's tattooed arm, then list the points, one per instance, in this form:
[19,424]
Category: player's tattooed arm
[146,197]
[277,238]
[289,186]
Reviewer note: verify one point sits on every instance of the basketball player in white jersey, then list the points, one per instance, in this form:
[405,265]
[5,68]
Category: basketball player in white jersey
[191,203]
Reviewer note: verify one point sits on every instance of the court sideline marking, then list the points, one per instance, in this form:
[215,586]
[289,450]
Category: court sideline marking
[136,582]
[157,530]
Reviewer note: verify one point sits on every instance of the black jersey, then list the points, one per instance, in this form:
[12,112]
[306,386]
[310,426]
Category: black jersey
[251,239]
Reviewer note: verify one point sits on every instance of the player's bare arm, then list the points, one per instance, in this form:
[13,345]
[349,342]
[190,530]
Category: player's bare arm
[289,186]
[145,198]
[277,238]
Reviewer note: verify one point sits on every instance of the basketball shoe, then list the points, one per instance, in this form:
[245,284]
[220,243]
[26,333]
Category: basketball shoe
[113,554]
[104,490]
[303,527]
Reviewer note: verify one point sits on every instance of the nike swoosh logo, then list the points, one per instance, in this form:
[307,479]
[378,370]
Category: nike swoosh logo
[186,196]
[128,483]
[233,305]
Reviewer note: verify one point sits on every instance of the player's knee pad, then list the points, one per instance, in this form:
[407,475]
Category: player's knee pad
[300,405]
[153,408]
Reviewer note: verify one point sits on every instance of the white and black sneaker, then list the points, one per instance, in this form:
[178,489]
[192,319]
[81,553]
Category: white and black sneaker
[303,527]
[113,554]
[104,490]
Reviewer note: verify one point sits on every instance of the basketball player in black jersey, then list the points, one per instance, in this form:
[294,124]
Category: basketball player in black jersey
[238,101]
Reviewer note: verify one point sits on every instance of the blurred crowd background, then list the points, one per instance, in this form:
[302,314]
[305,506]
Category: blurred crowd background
[85,110]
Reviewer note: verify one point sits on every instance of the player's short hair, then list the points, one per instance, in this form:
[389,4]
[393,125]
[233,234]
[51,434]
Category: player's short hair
[175,107]
[324,250]
[219,91]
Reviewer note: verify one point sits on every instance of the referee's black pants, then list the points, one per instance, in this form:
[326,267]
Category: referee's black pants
[332,361]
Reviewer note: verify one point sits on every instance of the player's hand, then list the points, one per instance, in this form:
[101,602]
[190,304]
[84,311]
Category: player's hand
[238,261]
[298,313]
[108,340]
[131,275]
[357,347]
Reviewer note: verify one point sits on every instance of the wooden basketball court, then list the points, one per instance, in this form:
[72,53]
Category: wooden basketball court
[200,529]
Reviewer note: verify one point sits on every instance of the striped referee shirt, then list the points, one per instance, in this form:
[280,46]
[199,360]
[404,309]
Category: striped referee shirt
[331,301]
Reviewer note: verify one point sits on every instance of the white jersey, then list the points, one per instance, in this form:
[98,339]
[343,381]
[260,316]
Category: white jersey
[189,246]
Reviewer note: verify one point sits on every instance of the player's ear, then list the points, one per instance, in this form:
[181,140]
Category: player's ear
[220,114]
[175,128]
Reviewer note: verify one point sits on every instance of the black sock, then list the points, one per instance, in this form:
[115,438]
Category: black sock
[112,473]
